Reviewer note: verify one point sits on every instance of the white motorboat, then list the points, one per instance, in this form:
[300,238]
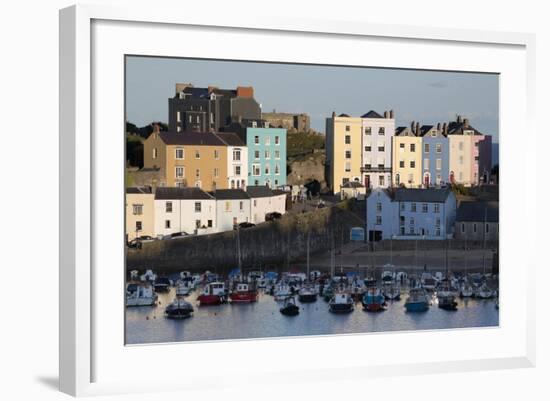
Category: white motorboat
[183,288]
[484,292]
[341,303]
[148,276]
[282,291]
[428,281]
[466,290]
[140,294]
[391,292]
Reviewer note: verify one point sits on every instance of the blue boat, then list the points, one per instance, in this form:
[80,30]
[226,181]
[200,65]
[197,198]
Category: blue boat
[373,300]
[417,301]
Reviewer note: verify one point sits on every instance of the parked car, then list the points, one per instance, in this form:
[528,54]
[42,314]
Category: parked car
[136,242]
[245,224]
[273,216]
[177,235]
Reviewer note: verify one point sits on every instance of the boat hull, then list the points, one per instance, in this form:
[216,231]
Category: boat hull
[417,306]
[178,313]
[307,298]
[373,307]
[243,297]
[205,300]
[141,301]
[290,310]
[341,308]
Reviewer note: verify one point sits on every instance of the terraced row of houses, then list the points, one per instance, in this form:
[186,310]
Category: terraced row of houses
[429,213]
[163,211]
[371,151]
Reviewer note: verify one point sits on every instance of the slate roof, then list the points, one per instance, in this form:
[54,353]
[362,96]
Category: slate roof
[191,138]
[279,192]
[456,128]
[475,211]
[404,131]
[139,190]
[371,114]
[422,195]
[229,194]
[231,139]
[259,191]
[168,193]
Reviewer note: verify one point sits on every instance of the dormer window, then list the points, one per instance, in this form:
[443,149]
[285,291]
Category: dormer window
[254,124]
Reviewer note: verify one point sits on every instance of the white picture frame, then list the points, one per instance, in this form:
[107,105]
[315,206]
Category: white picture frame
[92,40]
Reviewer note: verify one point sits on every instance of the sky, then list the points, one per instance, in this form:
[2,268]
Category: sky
[425,96]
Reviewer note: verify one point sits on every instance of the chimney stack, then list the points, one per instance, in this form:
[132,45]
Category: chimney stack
[459,118]
[445,129]
[417,128]
[412,126]
[391,114]
[385,114]
[156,128]
[466,122]
[333,114]
[438,126]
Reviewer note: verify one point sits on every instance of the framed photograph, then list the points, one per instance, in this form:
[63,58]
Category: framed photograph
[306,205]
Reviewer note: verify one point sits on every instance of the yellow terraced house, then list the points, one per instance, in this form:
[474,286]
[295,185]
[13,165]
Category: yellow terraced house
[343,150]
[188,159]
[407,158]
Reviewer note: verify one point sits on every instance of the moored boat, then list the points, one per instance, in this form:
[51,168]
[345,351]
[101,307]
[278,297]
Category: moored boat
[290,308]
[307,294]
[466,290]
[213,294]
[183,288]
[341,302]
[446,300]
[391,292]
[282,291]
[373,300]
[484,292]
[148,276]
[178,309]
[244,292]
[417,300]
[140,294]
[162,284]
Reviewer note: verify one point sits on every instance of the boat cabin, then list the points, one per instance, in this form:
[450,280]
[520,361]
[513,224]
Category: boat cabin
[215,288]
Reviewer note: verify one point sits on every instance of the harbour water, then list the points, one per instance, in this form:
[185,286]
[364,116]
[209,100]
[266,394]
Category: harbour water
[262,319]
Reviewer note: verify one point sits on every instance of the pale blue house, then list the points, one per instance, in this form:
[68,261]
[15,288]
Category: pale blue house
[266,151]
[408,213]
[435,156]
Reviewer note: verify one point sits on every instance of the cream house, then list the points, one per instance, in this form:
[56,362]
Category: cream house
[263,200]
[139,212]
[232,208]
[191,210]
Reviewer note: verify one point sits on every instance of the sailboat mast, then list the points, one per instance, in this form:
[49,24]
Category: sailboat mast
[307,252]
[484,238]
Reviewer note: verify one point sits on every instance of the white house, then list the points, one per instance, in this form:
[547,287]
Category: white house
[237,160]
[263,201]
[184,209]
[232,207]
[411,213]
[377,134]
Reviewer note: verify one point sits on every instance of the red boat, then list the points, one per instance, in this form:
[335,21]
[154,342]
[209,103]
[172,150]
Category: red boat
[213,294]
[243,292]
